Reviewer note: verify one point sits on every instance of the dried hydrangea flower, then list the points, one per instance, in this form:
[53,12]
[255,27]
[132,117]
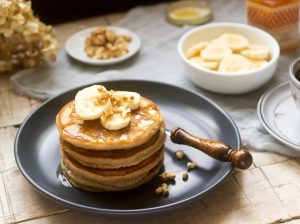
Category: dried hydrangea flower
[25,41]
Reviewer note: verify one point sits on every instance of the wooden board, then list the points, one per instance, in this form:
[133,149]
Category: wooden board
[269,192]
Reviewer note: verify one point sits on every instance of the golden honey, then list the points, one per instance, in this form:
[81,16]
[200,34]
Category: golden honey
[188,12]
[278,17]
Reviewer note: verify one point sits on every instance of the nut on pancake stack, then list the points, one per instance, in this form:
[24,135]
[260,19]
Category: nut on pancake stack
[110,140]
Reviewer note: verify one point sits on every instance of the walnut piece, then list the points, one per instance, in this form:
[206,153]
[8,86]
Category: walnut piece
[105,44]
[180,154]
[191,165]
[185,175]
[165,176]
[162,190]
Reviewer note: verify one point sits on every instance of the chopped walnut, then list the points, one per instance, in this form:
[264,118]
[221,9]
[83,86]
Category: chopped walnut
[191,165]
[105,44]
[102,89]
[164,185]
[179,154]
[162,190]
[185,175]
[158,190]
[80,121]
[165,176]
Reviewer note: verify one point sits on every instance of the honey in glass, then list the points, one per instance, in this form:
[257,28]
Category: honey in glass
[278,17]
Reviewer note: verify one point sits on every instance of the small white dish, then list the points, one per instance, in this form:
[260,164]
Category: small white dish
[75,46]
[223,83]
[279,115]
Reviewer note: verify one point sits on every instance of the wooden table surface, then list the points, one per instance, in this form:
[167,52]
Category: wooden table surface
[269,192]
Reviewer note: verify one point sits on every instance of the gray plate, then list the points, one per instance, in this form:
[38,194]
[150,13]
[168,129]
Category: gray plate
[280,116]
[37,152]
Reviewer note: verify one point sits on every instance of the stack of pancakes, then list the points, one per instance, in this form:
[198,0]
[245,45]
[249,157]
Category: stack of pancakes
[98,159]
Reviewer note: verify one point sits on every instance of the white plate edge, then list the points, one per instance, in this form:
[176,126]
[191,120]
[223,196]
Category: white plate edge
[265,125]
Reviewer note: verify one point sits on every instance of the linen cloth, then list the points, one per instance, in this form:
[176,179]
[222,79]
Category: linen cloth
[158,60]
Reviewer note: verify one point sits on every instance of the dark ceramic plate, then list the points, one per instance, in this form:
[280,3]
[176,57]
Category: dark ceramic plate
[37,152]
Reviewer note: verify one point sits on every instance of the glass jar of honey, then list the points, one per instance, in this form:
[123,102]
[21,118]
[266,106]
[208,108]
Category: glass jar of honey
[278,17]
[192,12]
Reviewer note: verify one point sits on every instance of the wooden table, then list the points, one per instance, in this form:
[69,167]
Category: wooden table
[269,192]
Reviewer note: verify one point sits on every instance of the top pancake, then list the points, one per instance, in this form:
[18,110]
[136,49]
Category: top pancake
[145,122]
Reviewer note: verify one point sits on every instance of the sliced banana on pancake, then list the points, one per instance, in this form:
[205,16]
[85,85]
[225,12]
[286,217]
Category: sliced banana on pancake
[215,52]
[112,107]
[130,99]
[116,120]
[257,52]
[235,41]
[90,102]
[234,63]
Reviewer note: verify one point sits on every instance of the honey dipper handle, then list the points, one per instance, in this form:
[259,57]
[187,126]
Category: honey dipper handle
[240,158]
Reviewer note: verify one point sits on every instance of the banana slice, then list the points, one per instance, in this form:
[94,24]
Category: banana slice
[255,51]
[255,64]
[215,52]
[204,64]
[129,99]
[196,49]
[236,42]
[216,41]
[90,102]
[116,121]
[234,63]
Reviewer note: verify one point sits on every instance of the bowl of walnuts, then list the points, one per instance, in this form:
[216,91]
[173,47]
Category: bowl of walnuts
[105,45]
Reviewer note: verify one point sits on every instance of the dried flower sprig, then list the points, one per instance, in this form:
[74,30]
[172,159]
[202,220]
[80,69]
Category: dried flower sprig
[25,41]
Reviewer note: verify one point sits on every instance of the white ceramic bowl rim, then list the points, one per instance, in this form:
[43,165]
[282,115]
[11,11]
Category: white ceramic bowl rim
[274,44]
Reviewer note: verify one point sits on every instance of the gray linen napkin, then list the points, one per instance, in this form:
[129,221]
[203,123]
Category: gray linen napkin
[158,60]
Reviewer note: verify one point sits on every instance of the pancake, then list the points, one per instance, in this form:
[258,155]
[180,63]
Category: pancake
[97,159]
[88,185]
[116,158]
[113,176]
[145,122]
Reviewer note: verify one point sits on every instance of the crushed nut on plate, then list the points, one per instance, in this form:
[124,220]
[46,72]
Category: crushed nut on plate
[165,176]
[179,154]
[105,44]
[158,190]
[185,175]
[191,165]
[162,190]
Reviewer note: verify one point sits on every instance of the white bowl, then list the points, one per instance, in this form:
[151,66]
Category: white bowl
[75,46]
[228,83]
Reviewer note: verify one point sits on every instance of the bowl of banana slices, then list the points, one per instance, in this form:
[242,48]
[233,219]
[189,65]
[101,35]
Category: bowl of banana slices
[229,58]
